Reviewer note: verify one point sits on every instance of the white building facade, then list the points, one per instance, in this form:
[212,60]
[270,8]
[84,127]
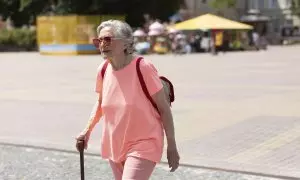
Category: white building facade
[278,11]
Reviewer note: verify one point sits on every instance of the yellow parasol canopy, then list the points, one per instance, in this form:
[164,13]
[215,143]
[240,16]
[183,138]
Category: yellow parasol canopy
[209,21]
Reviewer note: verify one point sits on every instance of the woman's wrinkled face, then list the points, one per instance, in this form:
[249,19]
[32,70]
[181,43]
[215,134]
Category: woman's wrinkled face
[109,44]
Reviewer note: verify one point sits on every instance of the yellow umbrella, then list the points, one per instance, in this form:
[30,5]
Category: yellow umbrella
[209,21]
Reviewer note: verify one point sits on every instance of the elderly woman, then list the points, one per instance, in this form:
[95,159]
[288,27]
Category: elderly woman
[133,136]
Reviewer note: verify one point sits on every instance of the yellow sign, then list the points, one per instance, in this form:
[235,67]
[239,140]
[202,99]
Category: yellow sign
[69,29]
[75,33]
[219,38]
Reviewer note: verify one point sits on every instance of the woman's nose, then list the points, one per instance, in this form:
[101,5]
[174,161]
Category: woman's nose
[103,44]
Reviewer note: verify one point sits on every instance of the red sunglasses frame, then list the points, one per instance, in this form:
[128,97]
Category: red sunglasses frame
[107,39]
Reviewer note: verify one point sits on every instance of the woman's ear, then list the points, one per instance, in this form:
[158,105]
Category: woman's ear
[126,49]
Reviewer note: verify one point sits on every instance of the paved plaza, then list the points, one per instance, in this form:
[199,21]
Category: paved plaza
[234,112]
[36,164]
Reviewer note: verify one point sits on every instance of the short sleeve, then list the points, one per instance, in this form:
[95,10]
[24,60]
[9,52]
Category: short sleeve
[99,79]
[151,77]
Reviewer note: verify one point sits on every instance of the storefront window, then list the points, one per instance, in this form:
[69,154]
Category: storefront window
[272,4]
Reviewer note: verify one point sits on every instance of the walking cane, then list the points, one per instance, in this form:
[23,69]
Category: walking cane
[81,150]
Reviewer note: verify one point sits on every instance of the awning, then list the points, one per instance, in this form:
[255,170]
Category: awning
[209,21]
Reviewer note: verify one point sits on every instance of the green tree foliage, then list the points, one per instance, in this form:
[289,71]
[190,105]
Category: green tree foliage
[296,7]
[24,4]
[222,4]
[81,7]
[25,11]
[135,9]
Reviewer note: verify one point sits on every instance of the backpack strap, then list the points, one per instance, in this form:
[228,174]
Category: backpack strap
[103,70]
[143,84]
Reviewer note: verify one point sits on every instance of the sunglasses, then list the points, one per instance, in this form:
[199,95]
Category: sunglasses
[107,39]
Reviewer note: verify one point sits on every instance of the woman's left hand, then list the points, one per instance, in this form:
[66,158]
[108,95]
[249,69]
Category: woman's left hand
[173,156]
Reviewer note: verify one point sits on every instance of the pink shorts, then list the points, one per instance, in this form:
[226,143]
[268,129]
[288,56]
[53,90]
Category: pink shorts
[134,168]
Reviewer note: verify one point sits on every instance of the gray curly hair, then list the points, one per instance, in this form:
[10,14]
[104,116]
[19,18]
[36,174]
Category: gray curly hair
[121,30]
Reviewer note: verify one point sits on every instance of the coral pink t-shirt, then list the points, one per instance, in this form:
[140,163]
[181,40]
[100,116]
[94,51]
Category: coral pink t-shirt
[131,126]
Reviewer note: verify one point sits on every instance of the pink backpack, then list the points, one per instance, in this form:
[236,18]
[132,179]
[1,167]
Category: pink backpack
[167,85]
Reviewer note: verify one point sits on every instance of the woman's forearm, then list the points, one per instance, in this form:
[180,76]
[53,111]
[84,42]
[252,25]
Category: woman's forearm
[167,120]
[94,117]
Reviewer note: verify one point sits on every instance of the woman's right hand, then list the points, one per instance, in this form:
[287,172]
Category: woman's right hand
[82,137]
